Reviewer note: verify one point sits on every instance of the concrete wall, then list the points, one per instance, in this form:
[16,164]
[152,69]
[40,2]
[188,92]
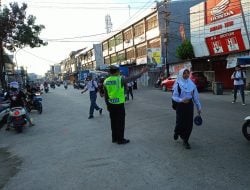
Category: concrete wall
[179,13]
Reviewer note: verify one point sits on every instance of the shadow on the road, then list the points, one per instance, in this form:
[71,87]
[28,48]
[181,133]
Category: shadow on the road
[9,166]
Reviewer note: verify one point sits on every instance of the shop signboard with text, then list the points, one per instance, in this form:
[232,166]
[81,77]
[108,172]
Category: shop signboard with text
[224,27]
[226,43]
[220,9]
[220,29]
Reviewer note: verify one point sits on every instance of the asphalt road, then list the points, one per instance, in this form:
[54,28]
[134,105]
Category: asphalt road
[65,150]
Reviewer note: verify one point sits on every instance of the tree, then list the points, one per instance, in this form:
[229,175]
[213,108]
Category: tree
[17,31]
[185,50]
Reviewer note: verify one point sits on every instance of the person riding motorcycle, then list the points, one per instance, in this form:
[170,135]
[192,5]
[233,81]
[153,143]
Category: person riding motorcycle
[31,90]
[17,99]
[65,84]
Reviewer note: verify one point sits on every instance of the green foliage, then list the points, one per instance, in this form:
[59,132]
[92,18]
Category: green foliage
[185,50]
[17,29]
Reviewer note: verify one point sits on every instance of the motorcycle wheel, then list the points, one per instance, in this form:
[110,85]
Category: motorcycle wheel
[246,130]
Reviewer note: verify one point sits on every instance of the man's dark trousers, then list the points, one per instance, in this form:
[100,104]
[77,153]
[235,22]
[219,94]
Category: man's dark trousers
[241,89]
[117,118]
[93,105]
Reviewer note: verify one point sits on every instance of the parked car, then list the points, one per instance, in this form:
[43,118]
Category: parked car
[197,77]
[168,83]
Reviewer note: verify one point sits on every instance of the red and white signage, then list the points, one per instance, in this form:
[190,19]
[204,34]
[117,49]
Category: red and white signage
[226,43]
[221,28]
[220,9]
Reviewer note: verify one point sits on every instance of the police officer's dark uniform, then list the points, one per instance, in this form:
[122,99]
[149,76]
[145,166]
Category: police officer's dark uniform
[114,96]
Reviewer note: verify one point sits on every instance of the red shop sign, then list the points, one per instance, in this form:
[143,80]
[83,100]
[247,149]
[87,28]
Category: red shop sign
[226,43]
[221,9]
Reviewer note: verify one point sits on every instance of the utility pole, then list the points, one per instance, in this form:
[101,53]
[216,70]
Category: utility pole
[164,24]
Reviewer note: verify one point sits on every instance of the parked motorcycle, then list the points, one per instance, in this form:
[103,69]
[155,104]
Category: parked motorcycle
[35,103]
[4,112]
[4,108]
[246,128]
[158,83]
[18,118]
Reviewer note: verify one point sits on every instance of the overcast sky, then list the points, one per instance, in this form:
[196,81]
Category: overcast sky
[71,20]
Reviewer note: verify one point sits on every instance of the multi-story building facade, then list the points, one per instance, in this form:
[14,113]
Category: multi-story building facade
[220,34]
[139,43]
[150,40]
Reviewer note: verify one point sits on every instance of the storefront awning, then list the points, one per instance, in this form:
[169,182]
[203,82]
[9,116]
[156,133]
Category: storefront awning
[245,60]
[238,59]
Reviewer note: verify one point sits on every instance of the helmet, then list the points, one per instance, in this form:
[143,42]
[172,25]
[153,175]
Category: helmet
[14,85]
[198,120]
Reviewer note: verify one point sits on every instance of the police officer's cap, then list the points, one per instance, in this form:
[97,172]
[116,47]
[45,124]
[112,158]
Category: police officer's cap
[113,68]
[198,120]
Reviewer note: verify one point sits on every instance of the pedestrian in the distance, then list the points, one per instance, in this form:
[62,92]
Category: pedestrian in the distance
[239,77]
[135,85]
[186,94]
[92,87]
[114,87]
[130,90]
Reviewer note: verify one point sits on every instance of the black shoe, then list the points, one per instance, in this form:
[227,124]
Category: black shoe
[123,141]
[90,117]
[100,111]
[7,128]
[114,140]
[176,136]
[186,145]
[31,125]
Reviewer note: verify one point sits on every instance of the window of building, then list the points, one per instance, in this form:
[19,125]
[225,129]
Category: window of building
[139,29]
[113,59]
[121,56]
[130,54]
[107,60]
[154,44]
[118,39]
[85,58]
[141,51]
[151,23]
[111,43]
[105,46]
[128,35]
[89,55]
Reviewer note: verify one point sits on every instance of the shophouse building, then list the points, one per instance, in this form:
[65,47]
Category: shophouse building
[151,40]
[220,34]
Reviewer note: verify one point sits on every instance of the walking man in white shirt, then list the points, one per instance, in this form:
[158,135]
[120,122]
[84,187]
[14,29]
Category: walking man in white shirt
[92,87]
[239,76]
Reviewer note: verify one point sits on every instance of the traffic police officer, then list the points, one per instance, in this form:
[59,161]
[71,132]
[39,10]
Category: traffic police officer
[114,96]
